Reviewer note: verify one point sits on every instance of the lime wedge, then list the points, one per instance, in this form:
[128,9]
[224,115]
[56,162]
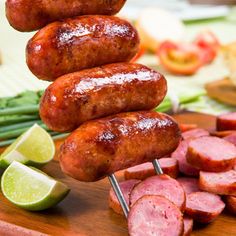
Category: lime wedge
[31,189]
[35,147]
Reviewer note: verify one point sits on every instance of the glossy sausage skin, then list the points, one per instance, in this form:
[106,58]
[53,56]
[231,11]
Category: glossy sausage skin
[80,43]
[28,15]
[93,93]
[101,147]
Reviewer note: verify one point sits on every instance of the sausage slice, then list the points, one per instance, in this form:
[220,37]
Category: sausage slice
[211,154]
[204,207]
[180,155]
[126,188]
[168,165]
[231,204]
[190,185]
[195,133]
[155,215]
[226,122]
[188,226]
[223,183]
[162,185]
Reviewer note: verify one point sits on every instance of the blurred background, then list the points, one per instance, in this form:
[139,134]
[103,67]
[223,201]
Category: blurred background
[209,87]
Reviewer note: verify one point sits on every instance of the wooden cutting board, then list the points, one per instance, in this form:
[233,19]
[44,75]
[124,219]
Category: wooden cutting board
[85,210]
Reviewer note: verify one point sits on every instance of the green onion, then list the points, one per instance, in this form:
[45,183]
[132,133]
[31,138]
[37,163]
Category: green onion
[29,109]
[8,120]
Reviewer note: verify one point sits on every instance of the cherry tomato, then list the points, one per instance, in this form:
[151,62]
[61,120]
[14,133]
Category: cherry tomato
[140,53]
[209,45]
[180,59]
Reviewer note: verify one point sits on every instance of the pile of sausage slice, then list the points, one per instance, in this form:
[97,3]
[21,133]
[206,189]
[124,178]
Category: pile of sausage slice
[199,180]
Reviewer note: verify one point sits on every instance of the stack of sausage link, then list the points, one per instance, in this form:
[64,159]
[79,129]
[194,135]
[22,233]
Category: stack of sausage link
[88,92]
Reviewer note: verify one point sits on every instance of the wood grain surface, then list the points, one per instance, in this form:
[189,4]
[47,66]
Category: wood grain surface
[85,211]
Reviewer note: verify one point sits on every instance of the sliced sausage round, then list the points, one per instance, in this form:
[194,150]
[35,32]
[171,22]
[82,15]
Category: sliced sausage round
[188,226]
[223,183]
[211,154]
[204,207]
[180,155]
[190,185]
[162,185]
[155,215]
[28,15]
[80,43]
[231,204]
[98,92]
[101,147]
[226,122]
[231,138]
[195,133]
[126,188]
[168,165]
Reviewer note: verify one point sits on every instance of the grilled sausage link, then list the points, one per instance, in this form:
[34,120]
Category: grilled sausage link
[28,15]
[80,43]
[101,147]
[93,93]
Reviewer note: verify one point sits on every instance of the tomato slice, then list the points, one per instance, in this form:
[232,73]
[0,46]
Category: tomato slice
[139,54]
[180,59]
[209,45]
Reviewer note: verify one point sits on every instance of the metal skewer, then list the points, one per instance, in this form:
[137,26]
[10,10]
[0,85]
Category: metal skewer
[118,192]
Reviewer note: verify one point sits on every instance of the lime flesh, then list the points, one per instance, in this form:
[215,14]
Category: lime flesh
[31,189]
[35,147]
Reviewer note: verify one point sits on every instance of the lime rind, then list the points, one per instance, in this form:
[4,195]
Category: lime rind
[55,190]
[28,146]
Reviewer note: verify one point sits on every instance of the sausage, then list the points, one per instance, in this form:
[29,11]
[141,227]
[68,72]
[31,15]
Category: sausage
[231,138]
[101,147]
[188,226]
[162,185]
[204,207]
[168,165]
[190,185]
[155,215]
[80,43]
[126,188]
[226,122]
[211,154]
[231,204]
[27,15]
[195,133]
[180,155]
[93,93]
[223,183]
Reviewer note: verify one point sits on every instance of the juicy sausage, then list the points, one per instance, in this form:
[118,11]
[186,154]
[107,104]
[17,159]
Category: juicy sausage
[162,185]
[28,15]
[169,167]
[93,93]
[100,147]
[204,207]
[226,122]
[80,43]
[155,215]
[211,154]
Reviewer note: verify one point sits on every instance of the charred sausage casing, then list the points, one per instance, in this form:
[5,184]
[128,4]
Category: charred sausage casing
[80,43]
[93,93]
[28,15]
[103,146]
